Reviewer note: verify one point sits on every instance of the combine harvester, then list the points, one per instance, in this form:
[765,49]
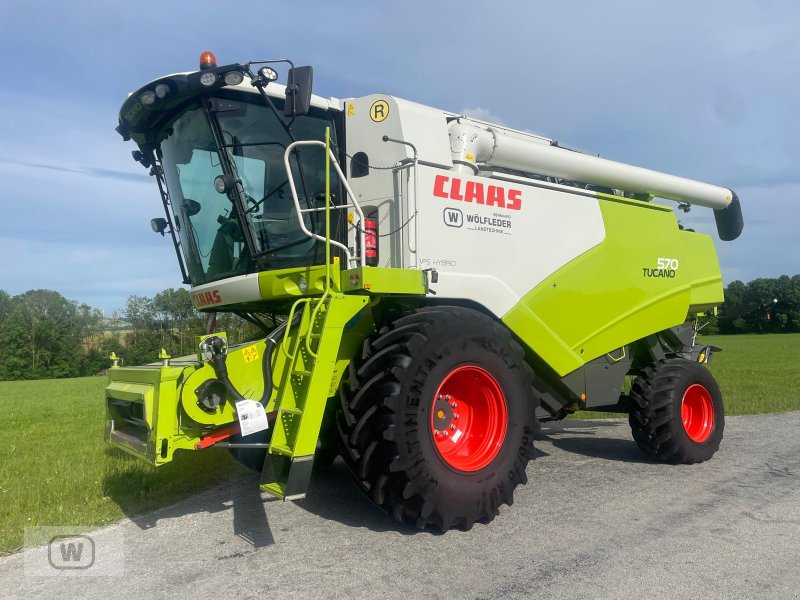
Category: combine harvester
[430,287]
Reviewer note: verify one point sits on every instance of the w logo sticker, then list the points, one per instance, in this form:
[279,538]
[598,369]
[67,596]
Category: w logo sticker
[453,217]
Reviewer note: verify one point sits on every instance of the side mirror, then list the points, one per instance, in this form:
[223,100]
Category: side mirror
[192,207]
[158,225]
[298,91]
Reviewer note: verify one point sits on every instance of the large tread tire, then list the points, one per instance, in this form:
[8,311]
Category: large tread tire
[385,414]
[656,418]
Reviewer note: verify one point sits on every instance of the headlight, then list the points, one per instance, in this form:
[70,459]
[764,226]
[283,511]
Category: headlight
[147,98]
[233,78]
[162,91]
[219,184]
[208,79]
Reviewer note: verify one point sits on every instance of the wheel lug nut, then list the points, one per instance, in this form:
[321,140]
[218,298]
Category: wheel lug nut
[453,404]
[445,433]
[455,416]
[447,397]
[437,433]
[453,427]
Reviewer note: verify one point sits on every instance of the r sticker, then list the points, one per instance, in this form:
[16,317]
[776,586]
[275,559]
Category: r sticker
[250,354]
[379,111]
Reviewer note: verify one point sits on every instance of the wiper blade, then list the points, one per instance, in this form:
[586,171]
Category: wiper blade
[264,199]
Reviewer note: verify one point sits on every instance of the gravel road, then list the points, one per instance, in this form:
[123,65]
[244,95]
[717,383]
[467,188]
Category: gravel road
[596,520]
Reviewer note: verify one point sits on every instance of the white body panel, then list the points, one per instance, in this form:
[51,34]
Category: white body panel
[492,241]
[233,290]
[551,225]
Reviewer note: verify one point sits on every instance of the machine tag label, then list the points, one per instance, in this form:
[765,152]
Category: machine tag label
[252,416]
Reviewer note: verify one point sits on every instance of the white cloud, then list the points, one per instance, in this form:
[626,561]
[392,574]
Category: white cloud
[483,114]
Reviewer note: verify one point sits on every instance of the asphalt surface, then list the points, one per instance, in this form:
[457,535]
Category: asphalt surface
[596,520]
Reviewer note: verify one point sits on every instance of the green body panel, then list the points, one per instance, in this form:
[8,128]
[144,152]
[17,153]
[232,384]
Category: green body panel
[605,298]
[142,415]
[153,409]
[380,280]
[285,283]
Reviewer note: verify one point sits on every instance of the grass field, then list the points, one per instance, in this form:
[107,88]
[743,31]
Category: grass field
[56,470]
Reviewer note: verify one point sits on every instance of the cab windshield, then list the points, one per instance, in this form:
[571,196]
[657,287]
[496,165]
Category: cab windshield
[211,223]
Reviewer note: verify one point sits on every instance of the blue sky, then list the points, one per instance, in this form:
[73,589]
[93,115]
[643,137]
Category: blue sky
[704,90]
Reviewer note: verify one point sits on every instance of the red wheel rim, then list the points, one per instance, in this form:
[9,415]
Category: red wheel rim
[468,418]
[697,412]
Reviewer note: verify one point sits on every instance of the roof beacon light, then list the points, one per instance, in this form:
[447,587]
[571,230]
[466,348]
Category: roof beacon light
[208,60]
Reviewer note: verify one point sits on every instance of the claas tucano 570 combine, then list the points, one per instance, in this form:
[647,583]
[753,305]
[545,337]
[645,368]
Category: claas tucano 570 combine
[430,287]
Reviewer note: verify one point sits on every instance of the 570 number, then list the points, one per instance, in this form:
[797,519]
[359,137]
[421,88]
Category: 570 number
[668,263]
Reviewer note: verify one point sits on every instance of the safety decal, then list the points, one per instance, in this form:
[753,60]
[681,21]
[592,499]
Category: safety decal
[379,110]
[250,354]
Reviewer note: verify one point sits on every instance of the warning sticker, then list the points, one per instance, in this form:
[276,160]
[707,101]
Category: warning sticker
[252,416]
[250,354]
[379,110]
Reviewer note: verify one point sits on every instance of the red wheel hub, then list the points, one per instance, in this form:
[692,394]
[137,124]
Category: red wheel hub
[697,412]
[468,418]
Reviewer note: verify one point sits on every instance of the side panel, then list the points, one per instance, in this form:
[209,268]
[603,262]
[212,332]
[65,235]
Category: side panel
[266,285]
[492,241]
[644,278]
[384,190]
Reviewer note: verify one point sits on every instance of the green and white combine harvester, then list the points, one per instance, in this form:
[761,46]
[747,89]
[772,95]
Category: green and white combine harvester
[430,287]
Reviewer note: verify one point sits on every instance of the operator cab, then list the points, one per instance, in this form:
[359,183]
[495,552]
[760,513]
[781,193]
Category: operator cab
[215,139]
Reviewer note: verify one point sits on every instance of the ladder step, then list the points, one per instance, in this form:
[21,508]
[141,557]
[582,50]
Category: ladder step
[302,373]
[291,411]
[275,488]
[281,449]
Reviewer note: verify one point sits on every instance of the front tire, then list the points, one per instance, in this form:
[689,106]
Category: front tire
[437,418]
[677,414]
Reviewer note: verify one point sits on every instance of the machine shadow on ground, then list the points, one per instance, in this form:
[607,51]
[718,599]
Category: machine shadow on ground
[332,496]
[588,439]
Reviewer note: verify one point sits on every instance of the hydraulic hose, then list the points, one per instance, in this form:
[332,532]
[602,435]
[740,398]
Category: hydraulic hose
[217,347]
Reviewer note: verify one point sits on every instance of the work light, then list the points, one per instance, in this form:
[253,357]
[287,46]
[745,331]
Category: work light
[268,73]
[233,77]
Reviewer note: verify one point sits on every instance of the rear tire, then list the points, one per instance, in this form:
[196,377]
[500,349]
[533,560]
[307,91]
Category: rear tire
[677,414]
[394,401]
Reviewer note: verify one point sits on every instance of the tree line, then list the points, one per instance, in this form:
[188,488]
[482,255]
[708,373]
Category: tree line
[44,335]
[765,305]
